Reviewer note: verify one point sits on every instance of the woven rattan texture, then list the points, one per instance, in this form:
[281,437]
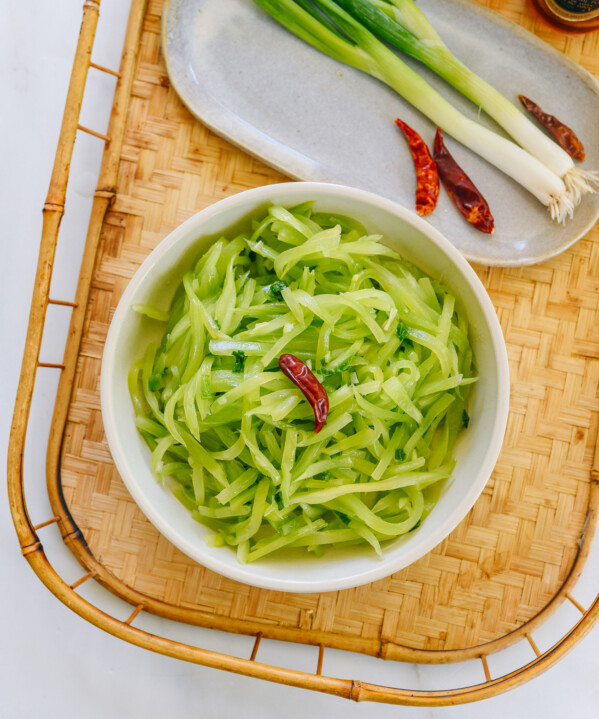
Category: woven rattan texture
[505,561]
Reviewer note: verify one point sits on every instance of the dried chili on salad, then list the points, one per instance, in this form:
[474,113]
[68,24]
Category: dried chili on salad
[303,377]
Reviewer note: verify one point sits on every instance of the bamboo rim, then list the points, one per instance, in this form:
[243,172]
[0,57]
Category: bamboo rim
[29,541]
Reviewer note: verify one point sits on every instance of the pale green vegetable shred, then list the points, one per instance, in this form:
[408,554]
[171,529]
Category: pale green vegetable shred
[389,344]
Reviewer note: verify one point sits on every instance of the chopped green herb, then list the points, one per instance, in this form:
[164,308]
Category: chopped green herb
[400,455]
[326,475]
[275,290]
[343,517]
[239,361]
[337,454]
[343,367]
[401,332]
[155,382]
[279,500]
[217,323]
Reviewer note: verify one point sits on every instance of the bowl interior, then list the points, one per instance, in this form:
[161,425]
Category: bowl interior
[155,283]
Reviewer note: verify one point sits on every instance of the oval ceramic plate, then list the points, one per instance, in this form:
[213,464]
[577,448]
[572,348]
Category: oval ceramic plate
[260,87]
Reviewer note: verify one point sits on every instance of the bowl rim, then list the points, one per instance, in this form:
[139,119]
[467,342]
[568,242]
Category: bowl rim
[243,573]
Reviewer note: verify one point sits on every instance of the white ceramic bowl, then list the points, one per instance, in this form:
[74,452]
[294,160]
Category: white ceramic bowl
[476,450]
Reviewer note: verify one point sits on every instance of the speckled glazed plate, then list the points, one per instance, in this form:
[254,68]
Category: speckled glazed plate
[260,87]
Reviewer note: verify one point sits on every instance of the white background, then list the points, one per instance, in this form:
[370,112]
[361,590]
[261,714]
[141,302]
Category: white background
[51,661]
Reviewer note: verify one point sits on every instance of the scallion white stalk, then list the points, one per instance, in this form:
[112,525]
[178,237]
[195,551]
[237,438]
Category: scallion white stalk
[361,49]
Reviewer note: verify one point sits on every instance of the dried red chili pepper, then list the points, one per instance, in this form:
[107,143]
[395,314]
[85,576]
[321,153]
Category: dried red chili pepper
[461,189]
[301,375]
[427,177]
[565,136]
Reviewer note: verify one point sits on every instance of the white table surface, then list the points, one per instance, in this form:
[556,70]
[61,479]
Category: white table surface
[51,661]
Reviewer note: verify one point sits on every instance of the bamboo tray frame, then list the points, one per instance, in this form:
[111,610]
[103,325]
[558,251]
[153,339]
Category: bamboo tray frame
[73,538]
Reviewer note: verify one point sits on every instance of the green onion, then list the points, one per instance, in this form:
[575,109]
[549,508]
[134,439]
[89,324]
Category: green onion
[329,28]
[402,24]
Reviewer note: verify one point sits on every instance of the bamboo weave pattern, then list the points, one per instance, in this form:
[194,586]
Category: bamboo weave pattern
[505,561]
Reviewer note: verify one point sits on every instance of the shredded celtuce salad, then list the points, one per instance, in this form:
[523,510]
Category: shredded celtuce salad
[236,436]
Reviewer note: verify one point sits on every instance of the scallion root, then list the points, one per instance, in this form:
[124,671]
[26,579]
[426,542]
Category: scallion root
[580,182]
[560,208]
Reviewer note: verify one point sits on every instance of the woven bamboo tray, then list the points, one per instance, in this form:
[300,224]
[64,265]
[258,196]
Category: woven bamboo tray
[491,583]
